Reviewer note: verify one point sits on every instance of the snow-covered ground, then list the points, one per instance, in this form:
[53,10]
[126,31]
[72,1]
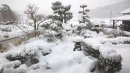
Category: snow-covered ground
[61,57]
[14,30]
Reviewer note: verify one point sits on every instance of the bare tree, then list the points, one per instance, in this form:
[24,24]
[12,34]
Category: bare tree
[31,12]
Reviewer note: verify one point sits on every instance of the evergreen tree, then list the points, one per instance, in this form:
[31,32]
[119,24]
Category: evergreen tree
[84,13]
[61,13]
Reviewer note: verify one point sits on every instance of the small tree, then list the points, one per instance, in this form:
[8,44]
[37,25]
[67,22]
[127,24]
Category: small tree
[31,11]
[84,12]
[61,12]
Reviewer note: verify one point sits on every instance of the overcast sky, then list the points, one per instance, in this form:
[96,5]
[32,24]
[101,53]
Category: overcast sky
[45,5]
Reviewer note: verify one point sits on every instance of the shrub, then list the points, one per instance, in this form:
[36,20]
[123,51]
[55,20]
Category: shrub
[27,58]
[90,51]
[112,33]
[108,65]
[9,67]
[52,25]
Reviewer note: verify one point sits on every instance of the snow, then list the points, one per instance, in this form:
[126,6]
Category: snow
[123,49]
[93,43]
[15,31]
[125,17]
[66,26]
[116,40]
[77,39]
[126,11]
[104,50]
[110,54]
[99,21]
[61,57]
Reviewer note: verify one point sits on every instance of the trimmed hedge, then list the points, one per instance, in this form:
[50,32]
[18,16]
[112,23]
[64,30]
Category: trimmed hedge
[90,51]
[105,64]
[108,65]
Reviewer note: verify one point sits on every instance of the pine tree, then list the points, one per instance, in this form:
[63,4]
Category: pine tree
[61,13]
[84,13]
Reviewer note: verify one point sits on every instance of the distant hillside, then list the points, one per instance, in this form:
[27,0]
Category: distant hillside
[108,11]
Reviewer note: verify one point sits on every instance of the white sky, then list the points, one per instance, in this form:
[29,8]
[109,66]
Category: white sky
[45,5]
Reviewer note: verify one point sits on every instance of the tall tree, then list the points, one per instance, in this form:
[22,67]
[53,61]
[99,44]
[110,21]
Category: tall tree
[84,12]
[61,13]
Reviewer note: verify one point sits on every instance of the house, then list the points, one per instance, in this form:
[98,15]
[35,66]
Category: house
[125,19]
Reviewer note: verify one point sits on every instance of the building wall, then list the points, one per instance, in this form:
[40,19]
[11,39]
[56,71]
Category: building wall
[126,25]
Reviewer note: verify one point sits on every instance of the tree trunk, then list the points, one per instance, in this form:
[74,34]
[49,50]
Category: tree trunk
[65,18]
[35,28]
[83,16]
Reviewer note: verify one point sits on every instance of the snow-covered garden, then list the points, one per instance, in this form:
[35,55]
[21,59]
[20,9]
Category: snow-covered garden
[51,54]
[57,45]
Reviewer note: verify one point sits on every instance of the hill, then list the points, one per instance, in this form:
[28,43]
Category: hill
[110,10]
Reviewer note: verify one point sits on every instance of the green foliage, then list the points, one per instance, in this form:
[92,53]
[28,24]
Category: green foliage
[89,25]
[61,12]
[27,57]
[108,65]
[88,50]
[105,64]
[84,13]
[52,25]
[114,33]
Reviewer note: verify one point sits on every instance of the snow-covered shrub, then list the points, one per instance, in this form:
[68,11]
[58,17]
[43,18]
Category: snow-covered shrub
[108,59]
[9,66]
[59,35]
[97,29]
[108,65]
[112,33]
[87,36]
[44,52]
[50,35]
[89,25]
[29,57]
[117,40]
[88,50]
[56,26]
[29,54]
[52,25]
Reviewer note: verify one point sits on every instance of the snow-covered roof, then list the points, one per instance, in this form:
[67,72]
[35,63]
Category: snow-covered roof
[125,17]
[126,11]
